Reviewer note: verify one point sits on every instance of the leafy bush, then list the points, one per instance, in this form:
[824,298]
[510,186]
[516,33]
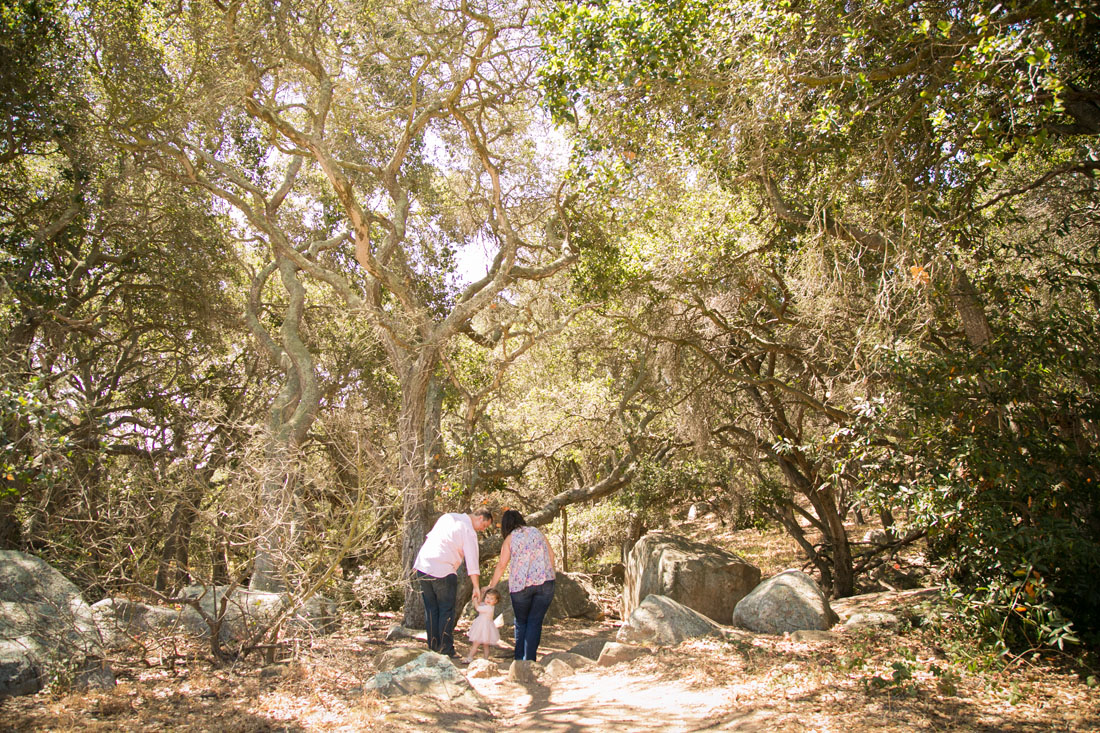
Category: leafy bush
[986,450]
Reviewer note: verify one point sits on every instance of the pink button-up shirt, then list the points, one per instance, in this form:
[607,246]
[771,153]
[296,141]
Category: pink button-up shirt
[452,538]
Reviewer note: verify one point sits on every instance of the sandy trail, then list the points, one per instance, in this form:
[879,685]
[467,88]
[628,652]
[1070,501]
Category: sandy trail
[598,699]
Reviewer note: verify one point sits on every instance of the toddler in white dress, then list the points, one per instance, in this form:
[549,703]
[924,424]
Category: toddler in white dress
[483,631]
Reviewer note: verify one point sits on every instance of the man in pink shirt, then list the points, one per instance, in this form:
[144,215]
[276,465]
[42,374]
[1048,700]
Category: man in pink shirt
[452,540]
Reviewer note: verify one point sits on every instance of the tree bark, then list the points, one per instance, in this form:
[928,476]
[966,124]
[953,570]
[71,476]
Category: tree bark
[564,541]
[968,304]
[174,570]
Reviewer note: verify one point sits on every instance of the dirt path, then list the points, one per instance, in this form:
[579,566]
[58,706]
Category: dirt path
[594,700]
[650,694]
[850,681]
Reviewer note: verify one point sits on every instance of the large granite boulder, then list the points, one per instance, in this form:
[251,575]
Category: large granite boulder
[790,601]
[662,621]
[429,674]
[46,628]
[705,578]
[572,599]
[247,610]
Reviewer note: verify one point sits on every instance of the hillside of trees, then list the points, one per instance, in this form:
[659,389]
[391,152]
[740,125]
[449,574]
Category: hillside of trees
[282,281]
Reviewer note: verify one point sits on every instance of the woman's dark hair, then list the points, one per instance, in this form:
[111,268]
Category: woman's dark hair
[510,521]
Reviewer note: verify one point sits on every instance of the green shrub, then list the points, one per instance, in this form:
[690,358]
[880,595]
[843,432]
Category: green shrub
[984,450]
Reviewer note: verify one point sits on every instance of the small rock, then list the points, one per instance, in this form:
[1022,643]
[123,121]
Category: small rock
[482,668]
[523,670]
[397,631]
[876,537]
[614,652]
[616,571]
[590,648]
[272,671]
[864,619]
[556,669]
[97,675]
[573,661]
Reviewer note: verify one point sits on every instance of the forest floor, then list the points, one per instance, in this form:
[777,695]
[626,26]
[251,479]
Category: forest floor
[915,678]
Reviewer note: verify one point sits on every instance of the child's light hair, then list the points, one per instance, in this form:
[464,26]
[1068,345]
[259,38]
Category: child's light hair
[492,593]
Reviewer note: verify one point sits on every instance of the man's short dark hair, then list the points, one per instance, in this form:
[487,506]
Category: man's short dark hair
[483,511]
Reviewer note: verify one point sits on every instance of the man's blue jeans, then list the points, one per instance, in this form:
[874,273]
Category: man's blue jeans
[439,610]
[530,605]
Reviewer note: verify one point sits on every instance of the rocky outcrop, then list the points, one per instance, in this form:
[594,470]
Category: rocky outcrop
[702,577]
[46,627]
[790,601]
[246,612]
[662,621]
[20,671]
[910,605]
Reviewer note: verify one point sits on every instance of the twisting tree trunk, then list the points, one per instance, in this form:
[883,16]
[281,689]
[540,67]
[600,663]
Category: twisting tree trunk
[289,419]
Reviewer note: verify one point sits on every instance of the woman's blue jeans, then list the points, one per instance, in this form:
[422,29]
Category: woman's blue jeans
[529,606]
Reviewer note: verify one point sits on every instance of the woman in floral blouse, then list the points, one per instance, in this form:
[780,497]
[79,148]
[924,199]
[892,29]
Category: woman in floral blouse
[530,579]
